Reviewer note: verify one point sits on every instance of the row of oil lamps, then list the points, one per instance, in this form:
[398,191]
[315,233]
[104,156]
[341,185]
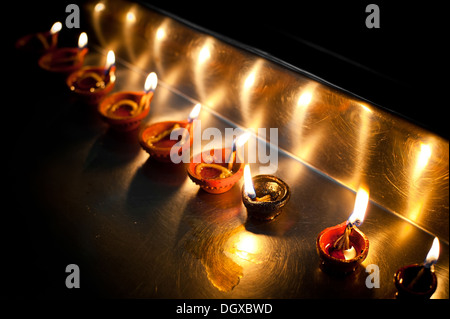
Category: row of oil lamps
[341,248]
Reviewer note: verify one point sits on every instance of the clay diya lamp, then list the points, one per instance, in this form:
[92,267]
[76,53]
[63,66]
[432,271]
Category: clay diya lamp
[217,170]
[264,196]
[418,281]
[343,247]
[91,84]
[124,111]
[65,60]
[156,140]
[38,43]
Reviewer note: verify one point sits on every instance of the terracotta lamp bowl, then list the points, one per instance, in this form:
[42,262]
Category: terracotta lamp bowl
[63,60]
[89,88]
[207,178]
[161,150]
[33,44]
[333,261]
[278,191]
[423,289]
[122,119]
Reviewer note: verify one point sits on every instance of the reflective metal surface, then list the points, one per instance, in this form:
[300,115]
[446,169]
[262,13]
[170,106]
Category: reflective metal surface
[139,228]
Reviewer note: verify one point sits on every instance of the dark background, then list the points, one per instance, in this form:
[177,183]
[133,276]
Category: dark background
[398,66]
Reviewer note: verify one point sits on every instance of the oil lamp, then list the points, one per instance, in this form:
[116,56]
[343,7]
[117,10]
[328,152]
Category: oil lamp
[65,60]
[91,84]
[342,247]
[40,42]
[418,281]
[211,170]
[124,111]
[264,196]
[155,138]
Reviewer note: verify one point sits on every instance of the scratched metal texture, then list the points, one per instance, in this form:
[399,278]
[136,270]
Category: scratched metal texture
[142,229]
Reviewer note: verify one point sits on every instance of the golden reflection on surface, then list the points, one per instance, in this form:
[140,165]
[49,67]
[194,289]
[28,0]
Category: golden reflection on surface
[248,85]
[246,246]
[99,7]
[363,146]
[202,57]
[222,271]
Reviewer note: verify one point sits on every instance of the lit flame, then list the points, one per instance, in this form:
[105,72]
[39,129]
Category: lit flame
[110,59]
[359,211]
[195,112]
[248,183]
[56,27]
[151,82]
[433,254]
[82,40]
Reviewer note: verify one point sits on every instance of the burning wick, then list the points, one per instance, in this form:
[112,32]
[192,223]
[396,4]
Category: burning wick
[110,62]
[356,218]
[82,41]
[149,87]
[250,190]
[99,81]
[192,116]
[428,264]
[237,143]
[54,30]
[226,171]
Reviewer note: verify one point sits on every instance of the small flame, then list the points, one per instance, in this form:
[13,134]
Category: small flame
[151,82]
[359,211]
[195,112]
[248,183]
[56,27]
[433,254]
[82,40]
[110,59]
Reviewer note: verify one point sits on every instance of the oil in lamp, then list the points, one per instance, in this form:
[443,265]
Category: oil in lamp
[124,111]
[217,170]
[264,196]
[91,84]
[418,281]
[40,42]
[342,247]
[155,138]
[65,60]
